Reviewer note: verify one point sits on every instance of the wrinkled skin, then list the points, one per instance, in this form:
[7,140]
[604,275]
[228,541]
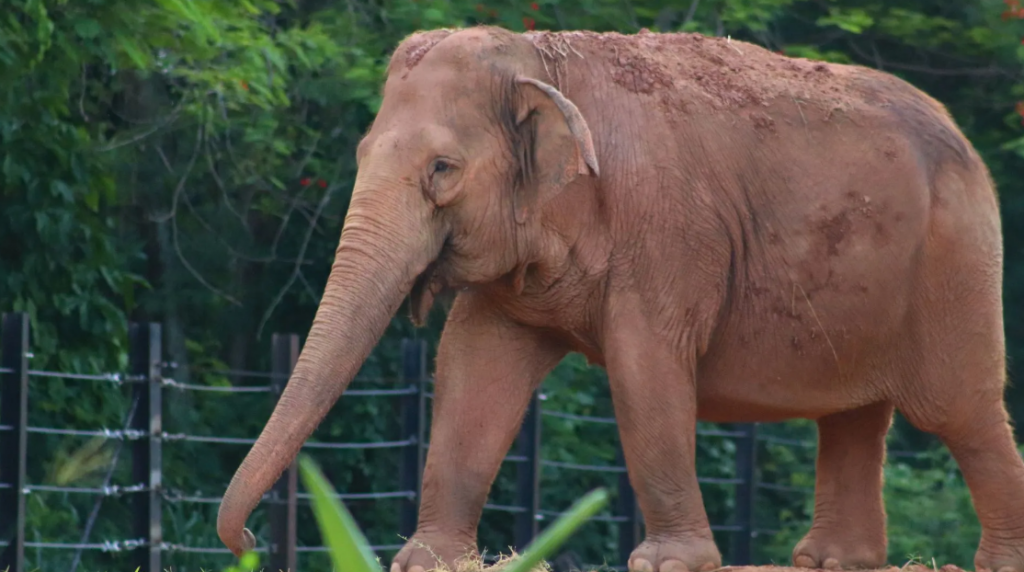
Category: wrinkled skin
[734,235]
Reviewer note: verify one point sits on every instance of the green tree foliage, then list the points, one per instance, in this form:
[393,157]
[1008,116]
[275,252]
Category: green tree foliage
[189,161]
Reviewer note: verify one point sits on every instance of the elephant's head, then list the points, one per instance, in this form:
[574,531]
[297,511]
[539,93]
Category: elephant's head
[469,143]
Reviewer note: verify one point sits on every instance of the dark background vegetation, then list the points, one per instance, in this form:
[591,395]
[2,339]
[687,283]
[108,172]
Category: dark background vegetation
[190,162]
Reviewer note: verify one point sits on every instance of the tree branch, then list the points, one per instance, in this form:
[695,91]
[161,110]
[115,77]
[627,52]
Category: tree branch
[172,216]
[990,71]
[297,270]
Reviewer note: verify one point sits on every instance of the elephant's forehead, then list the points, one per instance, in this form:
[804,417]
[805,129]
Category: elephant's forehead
[438,93]
[404,135]
[465,48]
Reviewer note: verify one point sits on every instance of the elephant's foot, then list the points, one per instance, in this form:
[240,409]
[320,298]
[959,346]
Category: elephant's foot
[691,554]
[425,552]
[842,548]
[999,556]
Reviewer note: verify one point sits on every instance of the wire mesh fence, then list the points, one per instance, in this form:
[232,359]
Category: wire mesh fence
[143,437]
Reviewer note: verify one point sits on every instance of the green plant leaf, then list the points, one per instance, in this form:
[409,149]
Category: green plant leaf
[348,548]
[559,531]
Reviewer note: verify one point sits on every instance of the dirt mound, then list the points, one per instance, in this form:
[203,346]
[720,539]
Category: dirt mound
[912,567]
[685,69]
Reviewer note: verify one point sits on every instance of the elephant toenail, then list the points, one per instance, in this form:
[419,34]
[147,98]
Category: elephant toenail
[640,565]
[673,566]
[1007,569]
[804,561]
[709,567]
[831,564]
[416,569]
[396,567]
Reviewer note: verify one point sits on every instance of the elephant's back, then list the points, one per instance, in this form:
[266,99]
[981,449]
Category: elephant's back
[690,73]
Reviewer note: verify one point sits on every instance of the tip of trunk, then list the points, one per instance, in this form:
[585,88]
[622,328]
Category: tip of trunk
[237,542]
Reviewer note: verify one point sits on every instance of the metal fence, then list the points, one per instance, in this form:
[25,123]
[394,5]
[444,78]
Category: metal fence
[143,433]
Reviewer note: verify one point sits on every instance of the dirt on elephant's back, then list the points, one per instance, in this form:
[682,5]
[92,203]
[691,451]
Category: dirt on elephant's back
[695,69]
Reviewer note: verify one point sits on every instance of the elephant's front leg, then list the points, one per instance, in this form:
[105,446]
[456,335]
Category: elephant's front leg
[654,392]
[487,369]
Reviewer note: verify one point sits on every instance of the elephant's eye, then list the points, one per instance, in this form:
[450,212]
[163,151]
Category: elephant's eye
[441,166]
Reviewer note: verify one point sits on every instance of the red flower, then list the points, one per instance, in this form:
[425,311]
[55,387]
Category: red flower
[1020,108]
[479,7]
[304,181]
[529,23]
[322,184]
[535,6]
[245,85]
[493,13]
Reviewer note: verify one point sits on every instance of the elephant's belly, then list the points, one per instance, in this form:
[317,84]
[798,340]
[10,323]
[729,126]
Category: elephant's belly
[777,389]
[839,351]
[768,399]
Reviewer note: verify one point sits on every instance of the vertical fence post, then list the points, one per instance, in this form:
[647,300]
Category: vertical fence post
[528,475]
[145,357]
[746,465]
[629,529]
[425,391]
[13,441]
[283,507]
[414,370]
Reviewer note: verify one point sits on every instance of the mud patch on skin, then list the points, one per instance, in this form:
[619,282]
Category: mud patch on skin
[417,45]
[639,74]
[859,209]
[820,70]
[834,230]
[690,73]
[762,121]
[786,310]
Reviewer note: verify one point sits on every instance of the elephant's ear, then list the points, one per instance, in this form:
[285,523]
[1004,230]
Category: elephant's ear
[558,144]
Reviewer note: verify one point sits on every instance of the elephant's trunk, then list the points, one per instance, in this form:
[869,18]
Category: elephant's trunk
[386,244]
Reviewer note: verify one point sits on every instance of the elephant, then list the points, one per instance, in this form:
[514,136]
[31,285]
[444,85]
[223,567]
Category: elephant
[732,234]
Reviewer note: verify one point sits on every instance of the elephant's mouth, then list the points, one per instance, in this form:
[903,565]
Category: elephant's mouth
[428,286]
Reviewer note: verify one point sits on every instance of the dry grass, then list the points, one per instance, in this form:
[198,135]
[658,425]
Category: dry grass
[478,565]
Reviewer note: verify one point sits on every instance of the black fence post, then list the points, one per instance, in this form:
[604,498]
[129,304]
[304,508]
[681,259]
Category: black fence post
[414,371]
[283,508]
[528,475]
[629,529]
[13,441]
[425,392]
[746,465]
[145,358]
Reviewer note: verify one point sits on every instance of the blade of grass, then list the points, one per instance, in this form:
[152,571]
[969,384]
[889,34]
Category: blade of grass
[347,545]
[559,531]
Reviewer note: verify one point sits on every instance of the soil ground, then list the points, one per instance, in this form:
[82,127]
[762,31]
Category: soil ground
[910,567]
[905,568]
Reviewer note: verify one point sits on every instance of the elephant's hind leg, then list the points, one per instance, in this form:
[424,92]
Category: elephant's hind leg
[994,473]
[988,458]
[958,395]
[848,531]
